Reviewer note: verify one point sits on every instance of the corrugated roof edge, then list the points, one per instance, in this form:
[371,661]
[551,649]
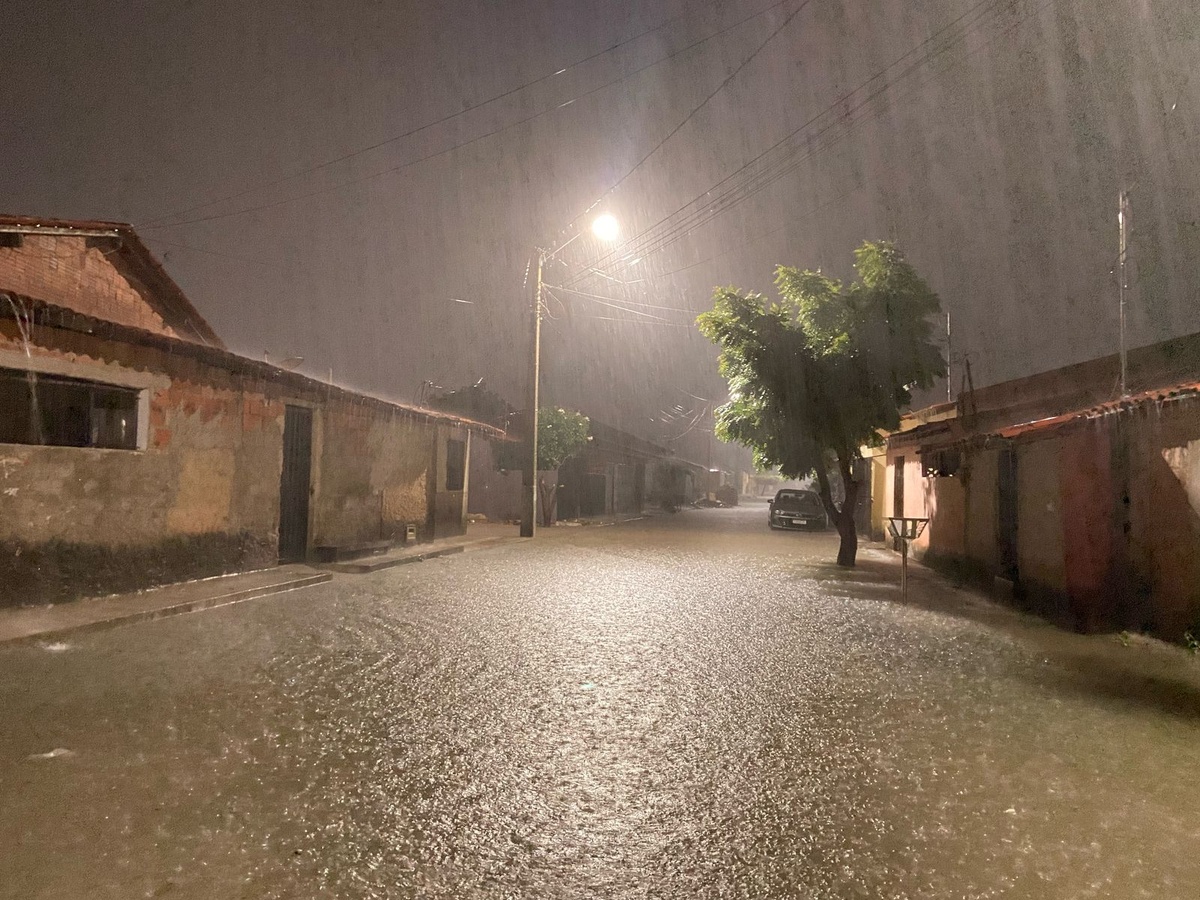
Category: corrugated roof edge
[957,432]
[1171,393]
[48,315]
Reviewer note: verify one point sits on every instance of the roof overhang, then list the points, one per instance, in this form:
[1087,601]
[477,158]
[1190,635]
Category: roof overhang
[134,261]
[47,315]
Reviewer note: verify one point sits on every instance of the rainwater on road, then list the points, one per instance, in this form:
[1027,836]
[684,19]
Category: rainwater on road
[687,706]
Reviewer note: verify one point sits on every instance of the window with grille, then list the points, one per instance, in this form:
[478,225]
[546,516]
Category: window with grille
[940,463]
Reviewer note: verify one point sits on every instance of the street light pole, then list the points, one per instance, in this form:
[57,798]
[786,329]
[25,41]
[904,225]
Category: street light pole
[529,475]
[606,228]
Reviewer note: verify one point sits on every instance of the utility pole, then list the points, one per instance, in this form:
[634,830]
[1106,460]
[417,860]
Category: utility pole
[949,362]
[1122,258]
[529,476]
[606,228]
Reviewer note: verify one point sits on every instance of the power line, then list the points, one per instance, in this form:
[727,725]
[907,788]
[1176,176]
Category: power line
[695,110]
[637,321]
[611,305]
[392,169]
[676,232]
[750,188]
[413,131]
[755,238]
[559,287]
[645,240]
[193,249]
[692,220]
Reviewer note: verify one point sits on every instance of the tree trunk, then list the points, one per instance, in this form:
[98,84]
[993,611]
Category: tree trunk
[842,519]
[848,549]
[547,497]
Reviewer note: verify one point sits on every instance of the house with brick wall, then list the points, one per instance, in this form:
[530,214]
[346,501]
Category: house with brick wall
[100,269]
[136,450]
[1080,503]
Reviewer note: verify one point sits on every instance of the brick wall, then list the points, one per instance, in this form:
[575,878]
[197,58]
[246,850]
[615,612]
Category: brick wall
[202,495]
[201,499]
[63,270]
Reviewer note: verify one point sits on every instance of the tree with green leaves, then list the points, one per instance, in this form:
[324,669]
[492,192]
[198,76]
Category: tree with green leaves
[562,433]
[820,373]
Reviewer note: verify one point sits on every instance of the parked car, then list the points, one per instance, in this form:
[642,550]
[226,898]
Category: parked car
[796,509]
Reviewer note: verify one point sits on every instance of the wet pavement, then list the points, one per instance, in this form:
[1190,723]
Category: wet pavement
[685,706]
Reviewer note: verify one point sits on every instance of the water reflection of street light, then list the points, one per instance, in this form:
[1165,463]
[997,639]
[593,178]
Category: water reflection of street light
[606,228]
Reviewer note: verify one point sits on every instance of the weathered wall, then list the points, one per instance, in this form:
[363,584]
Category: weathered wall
[201,494]
[1086,494]
[916,495]
[879,501]
[63,270]
[1040,530]
[961,534]
[1108,519]
[1164,516]
[493,493]
[945,534]
[371,475]
[980,508]
[200,499]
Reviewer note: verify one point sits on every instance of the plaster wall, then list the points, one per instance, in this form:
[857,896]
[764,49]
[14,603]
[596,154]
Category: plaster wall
[1090,546]
[495,494]
[447,508]
[1164,516]
[980,508]
[1039,513]
[199,497]
[945,505]
[371,474]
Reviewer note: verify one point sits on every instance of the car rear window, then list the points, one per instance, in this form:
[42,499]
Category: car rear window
[805,500]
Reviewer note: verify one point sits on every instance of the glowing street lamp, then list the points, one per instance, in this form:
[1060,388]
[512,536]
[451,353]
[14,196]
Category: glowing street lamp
[606,228]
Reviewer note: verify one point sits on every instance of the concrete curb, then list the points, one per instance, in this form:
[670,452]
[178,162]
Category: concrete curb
[366,566]
[176,609]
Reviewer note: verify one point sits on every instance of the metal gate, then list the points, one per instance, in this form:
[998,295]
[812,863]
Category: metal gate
[1006,531]
[294,483]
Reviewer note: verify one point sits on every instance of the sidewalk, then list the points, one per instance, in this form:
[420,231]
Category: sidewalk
[597,521]
[478,536]
[1125,665]
[47,623]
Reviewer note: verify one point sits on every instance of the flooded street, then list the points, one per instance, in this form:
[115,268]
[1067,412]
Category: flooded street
[684,706]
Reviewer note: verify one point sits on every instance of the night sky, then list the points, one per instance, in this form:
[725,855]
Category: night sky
[273,155]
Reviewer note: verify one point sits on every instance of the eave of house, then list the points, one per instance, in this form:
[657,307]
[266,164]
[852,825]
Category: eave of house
[48,316]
